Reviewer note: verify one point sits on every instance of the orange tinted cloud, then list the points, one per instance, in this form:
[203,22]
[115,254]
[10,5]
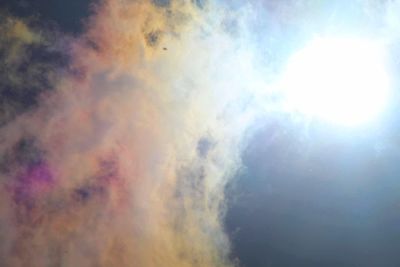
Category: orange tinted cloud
[124,163]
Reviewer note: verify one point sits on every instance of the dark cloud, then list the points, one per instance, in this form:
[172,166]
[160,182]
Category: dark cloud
[67,17]
[153,38]
[162,3]
[30,63]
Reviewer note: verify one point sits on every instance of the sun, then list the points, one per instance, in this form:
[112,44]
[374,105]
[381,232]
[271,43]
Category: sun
[340,80]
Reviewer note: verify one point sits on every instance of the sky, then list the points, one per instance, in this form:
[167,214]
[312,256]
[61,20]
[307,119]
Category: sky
[150,133]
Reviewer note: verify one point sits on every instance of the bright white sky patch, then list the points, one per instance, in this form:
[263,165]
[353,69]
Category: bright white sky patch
[343,81]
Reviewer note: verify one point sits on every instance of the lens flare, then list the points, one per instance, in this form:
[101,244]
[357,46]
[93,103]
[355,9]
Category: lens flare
[342,81]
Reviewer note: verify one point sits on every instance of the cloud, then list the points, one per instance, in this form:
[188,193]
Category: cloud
[124,162]
[123,157]
[29,63]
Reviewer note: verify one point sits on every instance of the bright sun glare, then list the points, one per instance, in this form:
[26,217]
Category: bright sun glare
[343,81]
